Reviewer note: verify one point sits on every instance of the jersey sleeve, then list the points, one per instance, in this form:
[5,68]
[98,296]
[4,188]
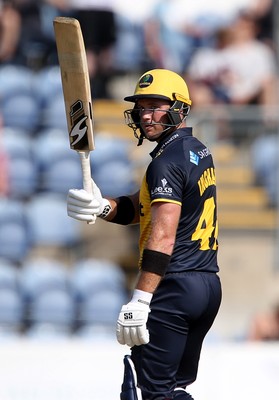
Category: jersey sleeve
[165,181]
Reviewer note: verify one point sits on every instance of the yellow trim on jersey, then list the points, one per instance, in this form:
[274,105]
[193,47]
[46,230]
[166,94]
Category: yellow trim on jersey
[145,216]
[163,200]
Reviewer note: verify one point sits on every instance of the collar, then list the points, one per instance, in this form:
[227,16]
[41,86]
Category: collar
[177,134]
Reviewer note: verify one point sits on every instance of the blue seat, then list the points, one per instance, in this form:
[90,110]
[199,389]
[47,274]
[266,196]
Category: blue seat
[15,80]
[112,167]
[47,85]
[11,304]
[115,178]
[11,312]
[266,167]
[21,111]
[14,239]
[41,274]
[13,242]
[91,275]
[23,178]
[53,313]
[48,222]
[23,174]
[59,165]
[9,275]
[98,314]
[102,308]
[16,142]
[62,175]
[11,210]
[54,115]
[99,290]
[55,307]
[50,145]
[108,149]
[45,290]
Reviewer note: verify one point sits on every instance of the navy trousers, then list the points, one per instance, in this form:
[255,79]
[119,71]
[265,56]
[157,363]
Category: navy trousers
[182,311]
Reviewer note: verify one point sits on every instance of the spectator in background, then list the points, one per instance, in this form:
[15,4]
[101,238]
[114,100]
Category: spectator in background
[240,71]
[97,20]
[207,70]
[264,13]
[265,163]
[36,46]
[265,326]
[176,30]
[130,53]
[172,34]
[10,26]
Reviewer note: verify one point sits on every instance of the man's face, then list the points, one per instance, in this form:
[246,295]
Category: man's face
[153,117]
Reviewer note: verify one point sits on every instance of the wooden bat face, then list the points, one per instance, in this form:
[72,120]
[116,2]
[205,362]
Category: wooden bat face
[75,82]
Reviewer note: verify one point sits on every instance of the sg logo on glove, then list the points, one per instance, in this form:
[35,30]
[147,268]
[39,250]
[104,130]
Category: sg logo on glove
[128,315]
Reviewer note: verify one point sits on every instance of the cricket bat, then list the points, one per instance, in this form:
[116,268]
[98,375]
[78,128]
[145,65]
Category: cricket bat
[76,90]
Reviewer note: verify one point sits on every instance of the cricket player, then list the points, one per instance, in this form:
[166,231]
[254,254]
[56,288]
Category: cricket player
[178,291]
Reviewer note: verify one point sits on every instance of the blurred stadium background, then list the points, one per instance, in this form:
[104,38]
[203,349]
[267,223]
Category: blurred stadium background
[62,283]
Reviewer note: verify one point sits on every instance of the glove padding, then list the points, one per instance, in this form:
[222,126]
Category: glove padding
[131,324]
[82,205]
[85,206]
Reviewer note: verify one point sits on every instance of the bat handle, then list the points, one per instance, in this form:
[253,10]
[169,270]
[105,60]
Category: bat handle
[86,174]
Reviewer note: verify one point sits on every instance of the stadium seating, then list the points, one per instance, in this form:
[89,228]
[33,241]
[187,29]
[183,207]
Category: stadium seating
[48,222]
[99,289]
[59,166]
[23,174]
[111,166]
[23,178]
[50,145]
[11,304]
[92,275]
[16,142]
[47,85]
[99,312]
[15,80]
[21,111]
[52,314]
[14,240]
[63,175]
[53,115]
[48,301]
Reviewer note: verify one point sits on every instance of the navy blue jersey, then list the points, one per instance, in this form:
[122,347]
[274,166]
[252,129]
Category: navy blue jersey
[182,172]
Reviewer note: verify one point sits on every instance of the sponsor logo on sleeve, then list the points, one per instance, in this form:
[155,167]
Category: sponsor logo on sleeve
[194,158]
[163,189]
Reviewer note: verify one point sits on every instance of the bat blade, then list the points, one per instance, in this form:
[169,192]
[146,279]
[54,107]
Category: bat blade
[75,82]
[76,90]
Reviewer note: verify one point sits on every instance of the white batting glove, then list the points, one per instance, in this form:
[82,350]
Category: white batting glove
[85,206]
[131,324]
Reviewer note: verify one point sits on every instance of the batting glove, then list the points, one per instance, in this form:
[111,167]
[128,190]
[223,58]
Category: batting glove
[85,206]
[131,324]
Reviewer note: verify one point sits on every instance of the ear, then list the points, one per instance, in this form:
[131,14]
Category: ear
[178,112]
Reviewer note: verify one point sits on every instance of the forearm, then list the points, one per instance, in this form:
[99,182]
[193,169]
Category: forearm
[159,246]
[148,281]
